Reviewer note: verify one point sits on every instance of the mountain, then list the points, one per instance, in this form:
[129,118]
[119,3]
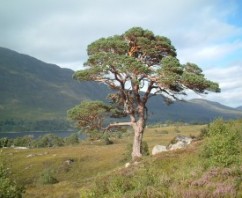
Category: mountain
[32,90]
[239,108]
[192,111]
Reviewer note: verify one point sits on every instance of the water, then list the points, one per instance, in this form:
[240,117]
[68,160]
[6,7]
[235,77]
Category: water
[36,134]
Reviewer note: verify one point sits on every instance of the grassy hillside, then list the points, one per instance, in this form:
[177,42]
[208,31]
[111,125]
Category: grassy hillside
[97,170]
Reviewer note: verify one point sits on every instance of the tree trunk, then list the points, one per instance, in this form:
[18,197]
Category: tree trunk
[138,136]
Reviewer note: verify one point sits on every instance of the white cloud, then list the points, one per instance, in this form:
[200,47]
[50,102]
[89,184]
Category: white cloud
[211,52]
[230,82]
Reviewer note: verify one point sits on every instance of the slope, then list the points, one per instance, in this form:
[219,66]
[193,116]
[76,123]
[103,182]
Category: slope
[32,89]
[239,108]
[192,111]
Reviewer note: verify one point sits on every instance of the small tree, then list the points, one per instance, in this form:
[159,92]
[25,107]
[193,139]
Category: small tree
[137,65]
[89,115]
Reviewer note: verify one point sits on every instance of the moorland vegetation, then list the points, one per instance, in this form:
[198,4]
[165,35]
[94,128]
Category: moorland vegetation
[209,167]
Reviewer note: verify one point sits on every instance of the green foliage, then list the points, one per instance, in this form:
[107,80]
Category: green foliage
[193,79]
[47,177]
[8,187]
[172,71]
[114,186]
[5,142]
[106,139]
[49,140]
[203,133]
[72,139]
[25,141]
[119,135]
[222,144]
[89,115]
[130,57]
[119,184]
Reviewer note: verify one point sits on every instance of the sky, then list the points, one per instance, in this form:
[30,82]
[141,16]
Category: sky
[205,32]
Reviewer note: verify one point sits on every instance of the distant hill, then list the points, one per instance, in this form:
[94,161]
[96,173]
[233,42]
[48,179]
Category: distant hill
[239,108]
[32,90]
[192,111]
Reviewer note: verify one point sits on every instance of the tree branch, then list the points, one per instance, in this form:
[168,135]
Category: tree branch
[118,124]
[147,93]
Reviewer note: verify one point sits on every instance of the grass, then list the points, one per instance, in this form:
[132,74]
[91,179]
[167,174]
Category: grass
[88,161]
[97,170]
[163,135]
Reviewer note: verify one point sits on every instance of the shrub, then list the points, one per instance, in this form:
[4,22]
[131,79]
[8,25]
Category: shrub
[47,177]
[72,139]
[23,141]
[111,186]
[4,142]
[203,133]
[119,134]
[49,140]
[8,187]
[124,184]
[94,134]
[222,144]
[106,139]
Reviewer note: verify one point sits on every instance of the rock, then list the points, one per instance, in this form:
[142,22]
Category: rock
[127,165]
[30,155]
[39,154]
[20,147]
[28,167]
[158,149]
[180,142]
[69,161]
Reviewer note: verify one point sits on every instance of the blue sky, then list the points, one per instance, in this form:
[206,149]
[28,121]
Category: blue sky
[208,33]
